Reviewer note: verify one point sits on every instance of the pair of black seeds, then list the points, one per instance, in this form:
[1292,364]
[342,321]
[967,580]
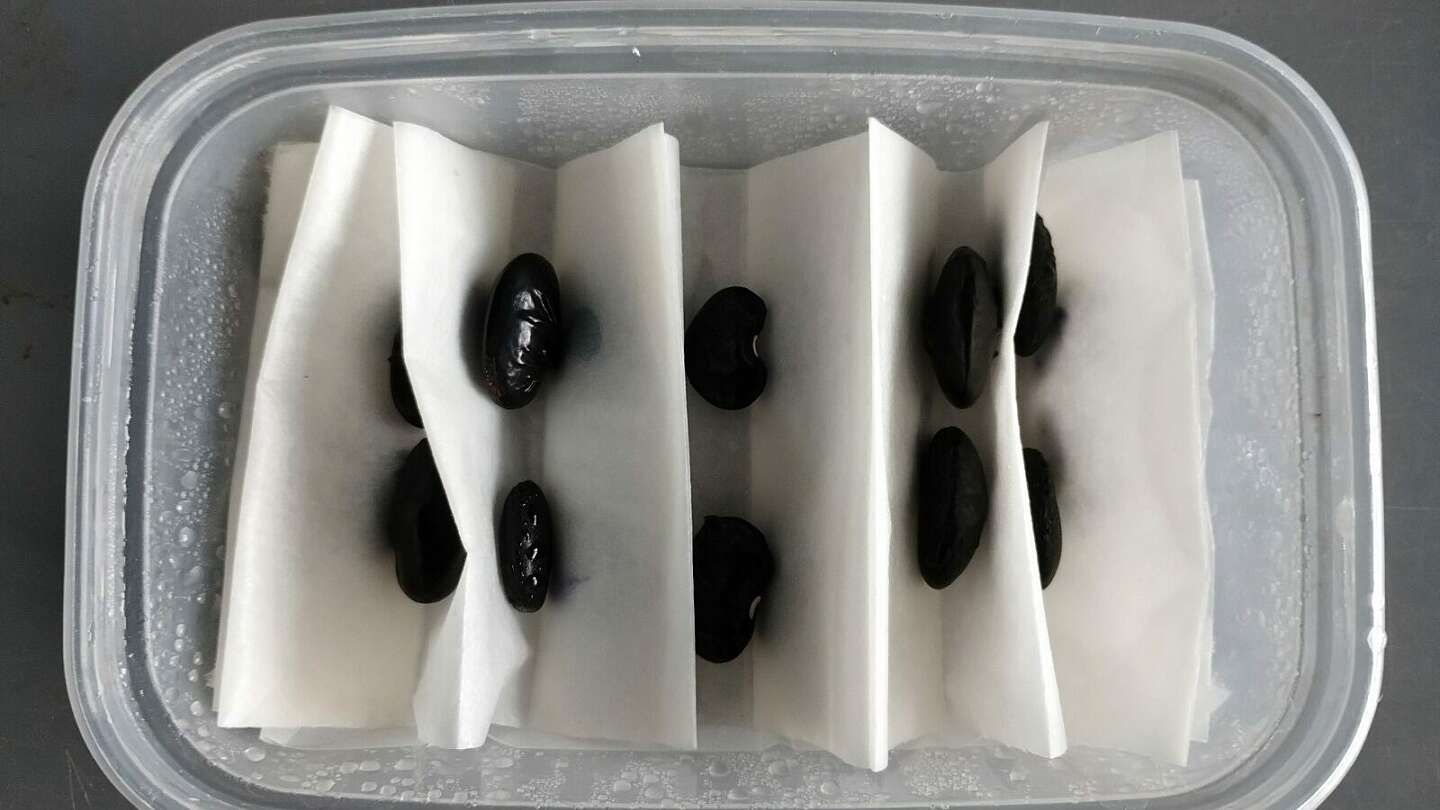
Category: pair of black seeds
[519,342]
[732,562]
[961,328]
[429,556]
[955,502]
[962,316]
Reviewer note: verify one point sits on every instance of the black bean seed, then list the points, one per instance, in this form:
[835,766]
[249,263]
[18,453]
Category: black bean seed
[721,360]
[733,568]
[428,554]
[954,503]
[400,391]
[962,325]
[1038,306]
[1044,514]
[522,334]
[525,547]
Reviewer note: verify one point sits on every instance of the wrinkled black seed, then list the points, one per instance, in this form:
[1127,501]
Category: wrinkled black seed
[1037,307]
[525,547]
[954,502]
[400,391]
[1044,514]
[733,568]
[523,333]
[422,530]
[720,356]
[962,325]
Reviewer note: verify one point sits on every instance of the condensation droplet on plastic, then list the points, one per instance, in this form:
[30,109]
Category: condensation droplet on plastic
[254,753]
[186,537]
[190,479]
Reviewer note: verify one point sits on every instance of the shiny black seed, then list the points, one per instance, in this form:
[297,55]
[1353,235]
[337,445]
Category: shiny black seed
[400,391]
[1038,306]
[721,360]
[1044,514]
[954,502]
[733,568]
[962,325]
[525,547]
[422,531]
[522,336]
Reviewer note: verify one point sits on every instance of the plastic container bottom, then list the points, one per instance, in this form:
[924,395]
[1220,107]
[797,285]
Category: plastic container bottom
[170,243]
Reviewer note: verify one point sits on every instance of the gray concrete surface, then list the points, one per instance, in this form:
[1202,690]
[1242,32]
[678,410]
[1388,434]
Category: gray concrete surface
[66,66]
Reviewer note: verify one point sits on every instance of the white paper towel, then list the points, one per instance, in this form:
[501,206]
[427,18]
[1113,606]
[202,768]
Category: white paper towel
[1210,694]
[460,213]
[289,165]
[820,648]
[1111,400]
[316,633]
[988,629]
[614,656]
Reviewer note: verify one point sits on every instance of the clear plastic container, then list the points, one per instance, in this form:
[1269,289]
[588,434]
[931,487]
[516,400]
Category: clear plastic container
[168,254]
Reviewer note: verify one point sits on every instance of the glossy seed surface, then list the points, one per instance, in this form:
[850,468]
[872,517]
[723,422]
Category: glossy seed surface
[521,340]
[422,530]
[1038,307]
[733,569]
[721,360]
[400,391]
[962,326]
[525,547]
[954,503]
[1044,514]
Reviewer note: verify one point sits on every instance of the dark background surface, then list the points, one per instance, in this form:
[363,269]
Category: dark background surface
[66,66]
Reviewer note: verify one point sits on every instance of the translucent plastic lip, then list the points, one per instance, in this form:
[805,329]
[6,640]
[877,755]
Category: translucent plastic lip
[142,135]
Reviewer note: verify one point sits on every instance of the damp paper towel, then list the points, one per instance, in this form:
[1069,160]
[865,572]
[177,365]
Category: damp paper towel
[620,270]
[851,652]
[998,672]
[614,645]
[315,631]
[289,170]
[1111,400]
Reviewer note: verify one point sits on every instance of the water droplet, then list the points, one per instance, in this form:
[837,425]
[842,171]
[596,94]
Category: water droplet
[405,764]
[190,479]
[498,795]
[195,575]
[653,792]
[737,795]
[183,507]
[368,787]
[929,107]
[226,410]
[254,753]
[503,762]
[369,765]
[622,786]
[348,767]
[193,676]
[186,537]
[778,768]
[324,784]
[718,768]
[649,779]
[197,708]
[829,788]
[387,790]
